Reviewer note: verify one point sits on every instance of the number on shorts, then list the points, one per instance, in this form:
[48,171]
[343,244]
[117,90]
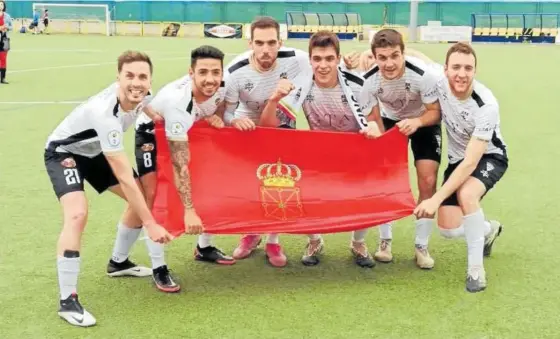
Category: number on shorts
[147,159]
[72,176]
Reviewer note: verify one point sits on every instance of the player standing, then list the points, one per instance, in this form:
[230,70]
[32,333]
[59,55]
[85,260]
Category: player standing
[327,107]
[251,78]
[88,145]
[181,103]
[477,161]
[403,89]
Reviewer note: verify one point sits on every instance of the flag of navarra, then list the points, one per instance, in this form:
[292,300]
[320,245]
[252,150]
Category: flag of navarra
[280,196]
[275,180]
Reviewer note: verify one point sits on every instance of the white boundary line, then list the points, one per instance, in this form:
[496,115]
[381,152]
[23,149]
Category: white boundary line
[40,102]
[92,65]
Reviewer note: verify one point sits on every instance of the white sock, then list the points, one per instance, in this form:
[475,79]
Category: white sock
[474,233]
[156,251]
[126,237]
[272,239]
[423,231]
[453,233]
[487,228]
[359,235]
[314,237]
[68,267]
[204,240]
[386,231]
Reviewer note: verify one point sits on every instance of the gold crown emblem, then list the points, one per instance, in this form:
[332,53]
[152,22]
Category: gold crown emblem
[278,174]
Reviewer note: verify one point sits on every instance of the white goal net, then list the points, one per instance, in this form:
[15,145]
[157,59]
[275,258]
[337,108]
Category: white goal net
[76,18]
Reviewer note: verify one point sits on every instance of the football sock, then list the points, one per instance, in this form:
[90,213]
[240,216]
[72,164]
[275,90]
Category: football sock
[68,267]
[204,240]
[474,233]
[423,231]
[386,231]
[272,239]
[126,237]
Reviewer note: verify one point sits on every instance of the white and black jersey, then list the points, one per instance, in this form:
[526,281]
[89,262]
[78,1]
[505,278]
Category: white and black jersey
[94,127]
[478,116]
[176,104]
[327,109]
[404,97]
[250,88]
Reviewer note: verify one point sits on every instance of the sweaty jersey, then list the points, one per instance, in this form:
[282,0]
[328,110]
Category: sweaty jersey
[176,104]
[404,97]
[327,109]
[251,88]
[96,126]
[478,116]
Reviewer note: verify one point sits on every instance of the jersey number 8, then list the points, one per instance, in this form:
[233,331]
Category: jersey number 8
[147,159]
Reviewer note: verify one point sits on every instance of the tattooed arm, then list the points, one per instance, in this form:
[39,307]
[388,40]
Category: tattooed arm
[180,160]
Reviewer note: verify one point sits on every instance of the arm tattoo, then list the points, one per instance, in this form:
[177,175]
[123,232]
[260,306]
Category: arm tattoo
[180,160]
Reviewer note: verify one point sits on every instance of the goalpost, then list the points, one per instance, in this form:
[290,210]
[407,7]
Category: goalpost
[77,18]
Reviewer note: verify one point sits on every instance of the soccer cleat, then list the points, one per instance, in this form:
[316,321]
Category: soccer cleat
[275,255]
[423,258]
[247,245]
[362,257]
[476,280]
[164,281]
[495,231]
[383,253]
[312,251]
[72,311]
[212,254]
[127,268]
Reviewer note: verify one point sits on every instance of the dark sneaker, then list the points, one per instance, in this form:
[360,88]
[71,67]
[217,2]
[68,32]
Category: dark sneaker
[476,280]
[312,251]
[164,281]
[495,231]
[362,257]
[212,254]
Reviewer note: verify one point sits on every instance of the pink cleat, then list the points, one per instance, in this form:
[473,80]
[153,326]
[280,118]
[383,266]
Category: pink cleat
[247,245]
[275,255]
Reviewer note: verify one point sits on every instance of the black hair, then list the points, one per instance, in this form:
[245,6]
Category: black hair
[5,6]
[206,52]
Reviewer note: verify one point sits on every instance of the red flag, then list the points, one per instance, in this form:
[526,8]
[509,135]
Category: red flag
[286,181]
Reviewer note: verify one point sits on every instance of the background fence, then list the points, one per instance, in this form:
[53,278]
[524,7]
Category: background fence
[372,13]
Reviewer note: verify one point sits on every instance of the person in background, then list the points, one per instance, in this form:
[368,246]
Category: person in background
[5,27]
[45,21]
[34,26]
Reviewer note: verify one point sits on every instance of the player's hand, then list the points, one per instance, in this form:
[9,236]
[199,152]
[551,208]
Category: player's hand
[193,224]
[215,121]
[372,131]
[366,61]
[426,209]
[352,60]
[408,126]
[158,234]
[284,88]
[243,124]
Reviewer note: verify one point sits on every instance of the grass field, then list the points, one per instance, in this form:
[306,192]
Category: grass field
[251,299]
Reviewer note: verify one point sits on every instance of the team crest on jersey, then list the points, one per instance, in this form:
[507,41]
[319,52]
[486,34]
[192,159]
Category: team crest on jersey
[249,86]
[68,163]
[407,86]
[310,97]
[284,75]
[114,138]
[343,98]
[177,128]
[217,101]
[380,90]
[464,115]
[147,147]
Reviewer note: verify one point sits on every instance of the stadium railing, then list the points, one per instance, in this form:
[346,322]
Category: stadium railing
[347,26]
[516,27]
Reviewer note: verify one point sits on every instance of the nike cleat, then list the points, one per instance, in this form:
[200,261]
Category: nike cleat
[127,268]
[212,254]
[72,311]
[164,280]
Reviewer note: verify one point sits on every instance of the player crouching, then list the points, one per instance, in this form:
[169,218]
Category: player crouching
[477,161]
[181,103]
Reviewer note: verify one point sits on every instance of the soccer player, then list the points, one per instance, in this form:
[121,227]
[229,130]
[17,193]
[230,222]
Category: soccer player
[181,103]
[88,145]
[327,107]
[251,79]
[403,89]
[477,161]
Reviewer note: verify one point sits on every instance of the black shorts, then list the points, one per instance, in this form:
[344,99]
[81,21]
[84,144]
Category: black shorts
[68,171]
[490,169]
[425,142]
[46,22]
[145,152]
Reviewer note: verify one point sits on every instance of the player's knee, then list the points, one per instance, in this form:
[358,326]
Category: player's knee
[427,183]
[468,200]
[77,218]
